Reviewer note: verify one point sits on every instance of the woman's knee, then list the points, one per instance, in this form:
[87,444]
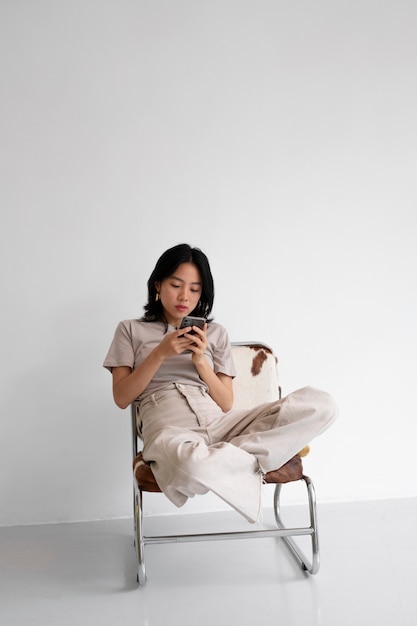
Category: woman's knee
[188,455]
[179,449]
[325,406]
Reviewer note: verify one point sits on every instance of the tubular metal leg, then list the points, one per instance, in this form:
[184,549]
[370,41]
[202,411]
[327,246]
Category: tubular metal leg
[310,566]
[282,531]
[139,541]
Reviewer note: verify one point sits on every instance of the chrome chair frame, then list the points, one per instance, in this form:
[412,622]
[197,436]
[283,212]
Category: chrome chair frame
[310,565]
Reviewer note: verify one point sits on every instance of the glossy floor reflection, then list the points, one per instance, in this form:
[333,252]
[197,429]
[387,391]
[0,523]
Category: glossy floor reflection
[85,573]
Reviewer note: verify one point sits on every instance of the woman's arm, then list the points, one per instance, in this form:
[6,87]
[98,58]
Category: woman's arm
[128,384]
[219,385]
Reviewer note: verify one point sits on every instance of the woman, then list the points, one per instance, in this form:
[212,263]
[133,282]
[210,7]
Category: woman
[181,382]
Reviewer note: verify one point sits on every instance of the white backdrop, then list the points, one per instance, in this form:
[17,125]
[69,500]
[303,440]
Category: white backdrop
[280,137]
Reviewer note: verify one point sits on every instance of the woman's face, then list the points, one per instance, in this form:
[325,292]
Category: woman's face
[180,292]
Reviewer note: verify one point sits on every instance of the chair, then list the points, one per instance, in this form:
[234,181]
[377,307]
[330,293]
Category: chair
[256,382]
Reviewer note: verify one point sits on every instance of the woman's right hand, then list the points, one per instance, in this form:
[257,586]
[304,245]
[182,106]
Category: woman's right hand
[175,343]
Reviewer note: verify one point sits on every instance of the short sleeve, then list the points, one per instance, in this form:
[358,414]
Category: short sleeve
[222,353]
[121,352]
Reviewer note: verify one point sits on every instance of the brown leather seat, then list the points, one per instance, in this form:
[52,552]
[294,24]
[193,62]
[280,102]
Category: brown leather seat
[292,470]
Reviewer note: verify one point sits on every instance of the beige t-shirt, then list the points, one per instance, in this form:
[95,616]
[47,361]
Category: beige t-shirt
[135,339]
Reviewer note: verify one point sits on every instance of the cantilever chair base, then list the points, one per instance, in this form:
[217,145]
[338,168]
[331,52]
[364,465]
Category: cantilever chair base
[244,354]
[309,565]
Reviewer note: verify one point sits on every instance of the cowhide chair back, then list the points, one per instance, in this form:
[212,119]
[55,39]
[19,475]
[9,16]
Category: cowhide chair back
[256,378]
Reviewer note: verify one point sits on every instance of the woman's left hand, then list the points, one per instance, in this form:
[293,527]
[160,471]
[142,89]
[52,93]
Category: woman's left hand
[199,345]
[219,385]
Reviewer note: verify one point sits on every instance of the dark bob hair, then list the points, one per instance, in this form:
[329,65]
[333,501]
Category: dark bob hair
[165,267]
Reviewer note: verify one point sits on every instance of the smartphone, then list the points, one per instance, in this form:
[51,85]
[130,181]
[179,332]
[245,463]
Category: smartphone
[192,321]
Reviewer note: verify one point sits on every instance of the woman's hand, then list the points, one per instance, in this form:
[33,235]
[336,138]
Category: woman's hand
[175,342]
[198,343]
[219,385]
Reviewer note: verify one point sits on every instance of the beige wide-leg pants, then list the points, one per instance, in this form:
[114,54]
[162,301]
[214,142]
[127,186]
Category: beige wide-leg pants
[194,447]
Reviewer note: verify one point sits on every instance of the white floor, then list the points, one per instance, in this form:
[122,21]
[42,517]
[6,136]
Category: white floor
[84,574]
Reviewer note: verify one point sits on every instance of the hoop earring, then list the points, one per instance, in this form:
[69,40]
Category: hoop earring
[157,297]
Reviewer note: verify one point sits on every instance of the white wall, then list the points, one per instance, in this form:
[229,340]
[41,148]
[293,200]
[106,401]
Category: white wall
[280,137]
